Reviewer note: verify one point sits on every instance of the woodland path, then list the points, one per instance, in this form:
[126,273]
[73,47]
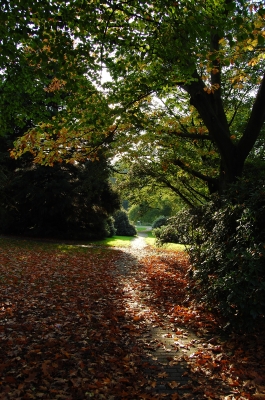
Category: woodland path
[168,347]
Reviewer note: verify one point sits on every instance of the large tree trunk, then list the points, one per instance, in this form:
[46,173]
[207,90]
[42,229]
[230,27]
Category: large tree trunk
[231,173]
[210,108]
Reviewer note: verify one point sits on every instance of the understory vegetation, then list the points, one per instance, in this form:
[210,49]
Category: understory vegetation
[226,245]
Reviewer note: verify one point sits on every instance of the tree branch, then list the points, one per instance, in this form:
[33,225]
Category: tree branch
[194,173]
[177,191]
[192,136]
[255,123]
[195,192]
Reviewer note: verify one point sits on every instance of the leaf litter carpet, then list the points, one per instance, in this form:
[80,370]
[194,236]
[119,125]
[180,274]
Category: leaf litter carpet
[96,323]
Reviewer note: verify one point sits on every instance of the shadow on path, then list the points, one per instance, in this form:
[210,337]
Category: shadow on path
[168,347]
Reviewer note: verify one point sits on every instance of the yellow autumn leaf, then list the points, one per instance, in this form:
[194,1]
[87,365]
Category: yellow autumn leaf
[259,23]
[222,41]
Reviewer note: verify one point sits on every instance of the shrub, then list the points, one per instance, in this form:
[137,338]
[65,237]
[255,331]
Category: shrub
[160,221]
[110,228]
[166,234]
[64,201]
[227,251]
[122,224]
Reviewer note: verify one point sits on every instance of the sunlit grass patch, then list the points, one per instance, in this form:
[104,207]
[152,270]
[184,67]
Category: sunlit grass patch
[115,241]
[151,241]
[143,228]
[71,247]
[140,228]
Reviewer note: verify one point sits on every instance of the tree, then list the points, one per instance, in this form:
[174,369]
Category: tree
[67,200]
[210,53]
[39,54]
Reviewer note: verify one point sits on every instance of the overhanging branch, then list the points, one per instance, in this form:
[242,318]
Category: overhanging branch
[194,136]
[194,173]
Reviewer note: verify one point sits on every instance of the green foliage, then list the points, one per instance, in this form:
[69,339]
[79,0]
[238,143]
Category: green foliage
[160,221]
[147,201]
[110,228]
[122,224]
[166,234]
[161,182]
[69,200]
[182,228]
[150,209]
[227,251]
[202,60]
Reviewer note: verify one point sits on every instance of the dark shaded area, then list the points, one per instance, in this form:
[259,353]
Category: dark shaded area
[64,201]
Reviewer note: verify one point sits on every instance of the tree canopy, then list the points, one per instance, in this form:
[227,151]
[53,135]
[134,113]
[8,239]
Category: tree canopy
[187,79]
[71,200]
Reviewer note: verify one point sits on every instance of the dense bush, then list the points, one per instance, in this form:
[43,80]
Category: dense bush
[110,228]
[160,221]
[63,201]
[226,240]
[122,224]
[72,201]
[166,233]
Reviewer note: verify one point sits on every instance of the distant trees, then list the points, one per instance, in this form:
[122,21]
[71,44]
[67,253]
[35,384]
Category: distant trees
[147,211]
[160,221]
[146,198]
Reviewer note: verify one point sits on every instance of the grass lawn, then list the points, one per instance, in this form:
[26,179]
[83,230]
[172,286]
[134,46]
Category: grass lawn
[115,241]
[151,241]
[143,228]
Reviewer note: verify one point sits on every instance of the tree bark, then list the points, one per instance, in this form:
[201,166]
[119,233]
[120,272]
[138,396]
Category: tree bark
[210,108]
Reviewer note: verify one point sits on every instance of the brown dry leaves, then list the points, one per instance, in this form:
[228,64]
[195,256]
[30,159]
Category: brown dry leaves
[68,329]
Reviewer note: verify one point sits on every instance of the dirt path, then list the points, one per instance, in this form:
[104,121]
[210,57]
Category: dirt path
[139,242]
[168,351]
